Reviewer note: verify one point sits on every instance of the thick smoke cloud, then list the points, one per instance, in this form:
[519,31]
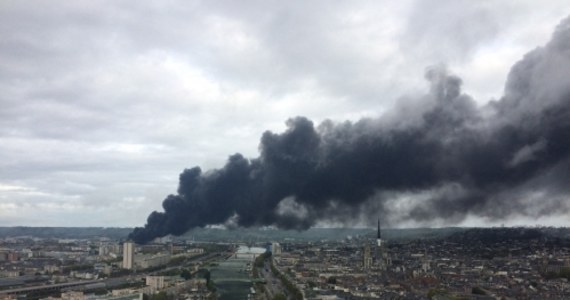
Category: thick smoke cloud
[509,157]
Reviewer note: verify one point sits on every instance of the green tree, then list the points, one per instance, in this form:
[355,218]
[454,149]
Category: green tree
[186,274]
[160,296]
[279,297]
[478,291]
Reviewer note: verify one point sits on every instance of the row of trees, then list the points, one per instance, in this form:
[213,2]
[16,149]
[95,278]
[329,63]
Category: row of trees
[291,288]
[564,273]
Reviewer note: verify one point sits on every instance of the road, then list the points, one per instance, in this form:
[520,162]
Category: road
[274,285]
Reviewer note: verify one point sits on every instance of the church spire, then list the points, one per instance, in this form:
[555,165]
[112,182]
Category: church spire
[379,236]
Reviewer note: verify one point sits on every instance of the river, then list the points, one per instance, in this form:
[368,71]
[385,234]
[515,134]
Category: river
[232,276]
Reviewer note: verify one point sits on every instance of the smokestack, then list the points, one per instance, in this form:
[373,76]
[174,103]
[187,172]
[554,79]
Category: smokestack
[452,160]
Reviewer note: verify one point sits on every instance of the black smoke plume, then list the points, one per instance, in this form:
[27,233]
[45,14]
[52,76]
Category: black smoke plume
[451,160]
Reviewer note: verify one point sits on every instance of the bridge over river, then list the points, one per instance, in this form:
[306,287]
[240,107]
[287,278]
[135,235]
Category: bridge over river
[232,276]
[248,280]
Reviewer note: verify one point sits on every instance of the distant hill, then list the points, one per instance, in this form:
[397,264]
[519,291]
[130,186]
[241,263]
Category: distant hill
[398,234]
[316,234]
[66,232]
[453,234]
[505,234]
[234,235]
[264,234]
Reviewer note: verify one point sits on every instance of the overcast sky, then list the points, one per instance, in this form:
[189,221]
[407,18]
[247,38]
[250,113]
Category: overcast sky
[104,103]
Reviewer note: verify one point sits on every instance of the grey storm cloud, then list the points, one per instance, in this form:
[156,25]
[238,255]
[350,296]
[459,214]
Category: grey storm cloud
[464,159]
[104,102]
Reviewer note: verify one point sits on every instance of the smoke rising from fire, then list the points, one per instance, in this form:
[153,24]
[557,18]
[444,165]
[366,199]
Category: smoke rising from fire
[451,160]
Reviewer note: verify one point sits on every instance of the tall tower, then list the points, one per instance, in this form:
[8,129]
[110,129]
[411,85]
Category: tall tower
[382,259]
[379,235]
[128,255]
[367,258]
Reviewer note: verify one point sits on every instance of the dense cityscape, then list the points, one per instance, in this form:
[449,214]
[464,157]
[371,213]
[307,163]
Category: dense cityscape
[460,263]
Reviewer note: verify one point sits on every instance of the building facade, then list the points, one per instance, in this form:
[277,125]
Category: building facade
[128,255]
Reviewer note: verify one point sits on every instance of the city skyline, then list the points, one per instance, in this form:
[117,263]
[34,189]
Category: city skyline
[104,105]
